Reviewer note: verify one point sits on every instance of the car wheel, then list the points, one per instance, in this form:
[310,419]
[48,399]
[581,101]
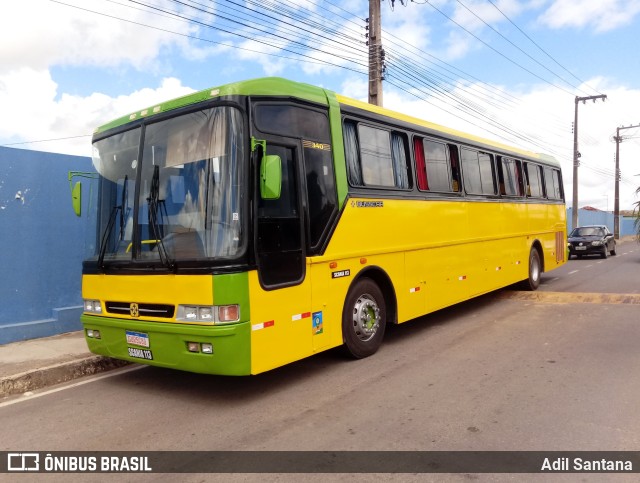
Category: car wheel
[364,319]
[604,253]
[613,251]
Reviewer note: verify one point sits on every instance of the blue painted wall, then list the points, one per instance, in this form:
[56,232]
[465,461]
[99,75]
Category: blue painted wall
[588,217]
[42,244]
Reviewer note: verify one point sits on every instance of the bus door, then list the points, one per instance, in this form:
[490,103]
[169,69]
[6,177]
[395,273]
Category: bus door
[280,291]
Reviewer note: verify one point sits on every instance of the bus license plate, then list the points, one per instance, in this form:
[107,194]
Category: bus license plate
[137,338]
[140,353]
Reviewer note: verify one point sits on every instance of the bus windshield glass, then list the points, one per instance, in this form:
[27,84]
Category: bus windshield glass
[177,198]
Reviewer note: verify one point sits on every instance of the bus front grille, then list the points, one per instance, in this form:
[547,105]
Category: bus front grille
[140,310]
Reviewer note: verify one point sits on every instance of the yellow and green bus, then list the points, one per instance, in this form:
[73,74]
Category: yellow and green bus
[247,226]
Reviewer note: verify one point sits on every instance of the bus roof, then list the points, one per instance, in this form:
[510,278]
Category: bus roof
[276,86]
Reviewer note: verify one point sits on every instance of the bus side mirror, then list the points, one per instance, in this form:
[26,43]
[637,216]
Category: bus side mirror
[270,177]
[76,198]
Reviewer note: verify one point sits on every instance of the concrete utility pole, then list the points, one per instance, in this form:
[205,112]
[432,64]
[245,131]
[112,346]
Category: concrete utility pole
[616,200]
[576,157]
[375,54]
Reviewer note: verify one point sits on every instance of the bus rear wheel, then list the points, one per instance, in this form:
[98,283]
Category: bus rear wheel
[535,271]
[364,319]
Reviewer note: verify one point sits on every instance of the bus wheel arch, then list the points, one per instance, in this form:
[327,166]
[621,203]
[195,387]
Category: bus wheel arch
[369,306]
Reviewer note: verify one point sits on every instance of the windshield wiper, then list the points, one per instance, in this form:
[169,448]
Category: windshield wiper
[153,202]
[107,233]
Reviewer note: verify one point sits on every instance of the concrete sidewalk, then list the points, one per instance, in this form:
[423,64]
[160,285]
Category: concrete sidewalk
[37,363]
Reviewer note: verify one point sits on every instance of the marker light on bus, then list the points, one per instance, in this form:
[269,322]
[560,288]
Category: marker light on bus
[207,348]
[204,347]
[193,346]
[92,306]
[93,333]
[214,314]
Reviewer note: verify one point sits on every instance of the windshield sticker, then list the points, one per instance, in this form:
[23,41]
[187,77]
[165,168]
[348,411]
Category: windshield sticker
[317,323]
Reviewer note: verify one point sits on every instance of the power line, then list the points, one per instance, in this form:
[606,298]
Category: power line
[540,48]
[515,46]
[48,140]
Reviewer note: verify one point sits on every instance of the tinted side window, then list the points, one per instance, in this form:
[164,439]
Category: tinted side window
[375,157]
[477,172]
[510,177]
[292,121]
[433,164]
[534,180]
[552,183]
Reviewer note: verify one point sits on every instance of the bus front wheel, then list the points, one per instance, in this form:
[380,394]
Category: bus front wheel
[364,319]
[535,271]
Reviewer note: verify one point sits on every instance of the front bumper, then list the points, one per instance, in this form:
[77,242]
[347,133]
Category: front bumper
[168,344]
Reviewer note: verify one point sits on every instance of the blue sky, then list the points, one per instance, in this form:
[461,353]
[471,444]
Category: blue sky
[68,66]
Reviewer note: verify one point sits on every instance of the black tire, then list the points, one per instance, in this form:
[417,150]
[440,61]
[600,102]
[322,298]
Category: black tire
[604,253]
[364,319]
[535,270]
[613,251]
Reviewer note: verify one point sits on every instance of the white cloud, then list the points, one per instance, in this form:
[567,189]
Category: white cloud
[40,34]
[38,112]
[601,15]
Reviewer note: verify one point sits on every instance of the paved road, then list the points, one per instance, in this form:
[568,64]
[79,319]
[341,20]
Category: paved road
[495,373]
[616,274]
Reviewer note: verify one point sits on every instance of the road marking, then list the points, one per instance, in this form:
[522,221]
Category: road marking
[28,396]
[573,298]
[572,272]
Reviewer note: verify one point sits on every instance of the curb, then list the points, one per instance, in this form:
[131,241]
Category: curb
[63,372]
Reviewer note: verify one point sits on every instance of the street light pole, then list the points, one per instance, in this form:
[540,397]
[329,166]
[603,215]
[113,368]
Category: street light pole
[576,157]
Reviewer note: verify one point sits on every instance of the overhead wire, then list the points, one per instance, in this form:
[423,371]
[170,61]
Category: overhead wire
[293,42]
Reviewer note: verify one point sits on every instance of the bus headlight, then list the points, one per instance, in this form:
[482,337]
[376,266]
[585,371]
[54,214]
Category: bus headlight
[212,314]
[92,306]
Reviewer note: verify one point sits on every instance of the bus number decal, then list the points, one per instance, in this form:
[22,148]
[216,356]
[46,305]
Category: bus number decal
[340,274]
[367,204]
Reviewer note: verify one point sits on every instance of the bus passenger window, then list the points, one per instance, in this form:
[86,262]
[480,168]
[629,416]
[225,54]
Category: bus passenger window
[510,177]
[455,168]
[399,159]
[534,180]
[552,184]
[438,166]
[375,156]
[351,150]
[477,170]
[418,152]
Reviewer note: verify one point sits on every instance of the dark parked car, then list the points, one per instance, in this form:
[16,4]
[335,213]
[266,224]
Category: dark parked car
[590,240]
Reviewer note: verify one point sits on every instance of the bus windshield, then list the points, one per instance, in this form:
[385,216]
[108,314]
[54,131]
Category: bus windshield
[177,198]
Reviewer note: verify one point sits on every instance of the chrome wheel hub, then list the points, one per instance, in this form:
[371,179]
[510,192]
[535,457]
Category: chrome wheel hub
[366,317]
